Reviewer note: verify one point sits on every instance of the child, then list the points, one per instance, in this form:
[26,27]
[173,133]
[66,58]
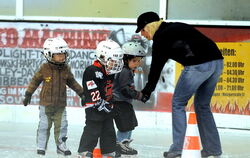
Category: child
[55,75]
[97,84]
[124,92]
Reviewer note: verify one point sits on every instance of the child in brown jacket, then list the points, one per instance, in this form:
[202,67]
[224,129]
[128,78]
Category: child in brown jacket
[55,75]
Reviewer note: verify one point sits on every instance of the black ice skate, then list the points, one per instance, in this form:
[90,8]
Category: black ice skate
[124,148]
[62,148]
[41,152]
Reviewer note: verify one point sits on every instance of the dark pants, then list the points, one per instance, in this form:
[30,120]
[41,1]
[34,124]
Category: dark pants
[98,129]
[125,118]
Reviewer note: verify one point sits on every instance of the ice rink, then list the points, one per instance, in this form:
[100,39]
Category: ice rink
[18,137]
[18,140]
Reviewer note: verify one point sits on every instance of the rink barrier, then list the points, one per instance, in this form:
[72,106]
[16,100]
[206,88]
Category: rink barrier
[146,119]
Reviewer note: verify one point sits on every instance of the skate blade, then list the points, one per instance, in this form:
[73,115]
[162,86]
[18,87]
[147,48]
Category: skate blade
[212,157]
[65,156]
[129,156]
[75,156]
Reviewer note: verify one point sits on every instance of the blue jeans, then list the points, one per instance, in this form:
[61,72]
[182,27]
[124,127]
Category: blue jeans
[123,135]
[200,81]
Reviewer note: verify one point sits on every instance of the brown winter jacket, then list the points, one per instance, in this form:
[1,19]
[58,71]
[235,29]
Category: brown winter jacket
[54,80]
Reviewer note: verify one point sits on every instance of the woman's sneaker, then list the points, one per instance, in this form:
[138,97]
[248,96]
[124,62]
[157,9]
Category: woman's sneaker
[124,148]
[205,154]
[172,154]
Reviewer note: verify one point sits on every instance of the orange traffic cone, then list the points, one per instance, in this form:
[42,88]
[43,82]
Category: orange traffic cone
[97,151]
[191,146]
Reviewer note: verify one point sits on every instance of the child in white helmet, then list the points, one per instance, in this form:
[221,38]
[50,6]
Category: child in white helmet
[55,76]
[97,83]
[124,92]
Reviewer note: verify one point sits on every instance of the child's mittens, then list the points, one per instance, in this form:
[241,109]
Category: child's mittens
[103,105]
[27,98]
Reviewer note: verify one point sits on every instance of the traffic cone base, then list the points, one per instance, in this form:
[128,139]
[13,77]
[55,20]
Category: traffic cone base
[97,153]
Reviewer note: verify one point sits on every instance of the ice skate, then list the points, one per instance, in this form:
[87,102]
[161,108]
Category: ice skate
[85,154]
[124,149]
[62,148]
[111,155]
[40,153]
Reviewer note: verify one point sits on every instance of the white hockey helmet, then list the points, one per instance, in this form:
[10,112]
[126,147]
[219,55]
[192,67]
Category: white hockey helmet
[53,46]
[133,48]
[110,54]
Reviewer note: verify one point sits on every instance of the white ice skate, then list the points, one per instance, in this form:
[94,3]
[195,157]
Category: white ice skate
[62,148]
[85,154]
[111,155]
[125,150]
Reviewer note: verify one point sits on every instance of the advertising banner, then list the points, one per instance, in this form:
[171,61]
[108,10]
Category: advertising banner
[232,93]
[20,57]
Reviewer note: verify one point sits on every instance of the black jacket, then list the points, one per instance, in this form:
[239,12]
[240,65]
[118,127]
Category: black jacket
[124,87]
[182,43]
[97,85]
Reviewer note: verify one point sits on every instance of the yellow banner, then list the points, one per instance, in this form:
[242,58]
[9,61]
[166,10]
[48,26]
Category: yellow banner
[232,94]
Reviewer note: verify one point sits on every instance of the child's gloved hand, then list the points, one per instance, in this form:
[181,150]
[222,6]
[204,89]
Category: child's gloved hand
[103,105]
[27,98]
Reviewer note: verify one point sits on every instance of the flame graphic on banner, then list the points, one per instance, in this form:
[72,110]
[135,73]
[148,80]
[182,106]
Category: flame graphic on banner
[227,106]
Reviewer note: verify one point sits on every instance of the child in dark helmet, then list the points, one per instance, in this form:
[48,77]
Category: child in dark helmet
[55,76]
[124,92]
[97,83]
